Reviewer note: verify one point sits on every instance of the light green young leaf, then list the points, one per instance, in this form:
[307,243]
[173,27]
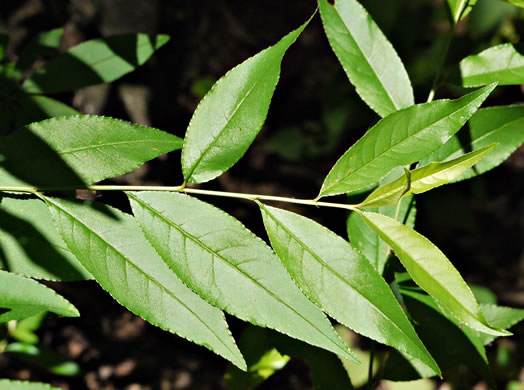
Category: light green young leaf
[78,150]
[368,58]
[232,113]
[502,64]
[500,317]
[8,384]
[217,257]
[517,3]
[401,138]
[432,271]
[336,276]
[503,125]
[460,8]
[30,244]
[94,62]
[111,246]
[25,297]
[368,241]
[424,179]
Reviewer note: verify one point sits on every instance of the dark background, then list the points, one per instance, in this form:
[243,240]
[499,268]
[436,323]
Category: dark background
[314,117]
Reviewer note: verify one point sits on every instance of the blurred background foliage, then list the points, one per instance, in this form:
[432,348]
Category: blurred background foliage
[314,117]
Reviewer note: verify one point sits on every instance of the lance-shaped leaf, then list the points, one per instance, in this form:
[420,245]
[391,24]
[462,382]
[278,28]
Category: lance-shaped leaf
[30,244]
[8,384]
[401,138]
[460,8]
[502,64]
[368,241]
[45,44]
[502,125]
[501,317]
[232,113]
[369,60]
[424,179]
[25,297]
[459,346]
[111,246]
[79,150]
[94,62]
[336,276]
[432,271]
[216,256]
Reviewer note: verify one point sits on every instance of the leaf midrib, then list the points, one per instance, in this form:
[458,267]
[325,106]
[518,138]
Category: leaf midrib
[429,276]
[388,150]
[209,250]
[367,59]
[148,276]
[340,277]
[235,110]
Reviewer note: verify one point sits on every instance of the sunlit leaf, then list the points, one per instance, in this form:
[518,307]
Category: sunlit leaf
[230,267]
[518,3]
[44,358]
[424,179]
[78,150]
[30,244]
[432,271]
[45,44]
[503,125]
[501,317]
[369,60]
[368,241]
[8,384]
[335,276]
[460,8]
[94,62]
[26,297]
[400,139]
[502,64]
[111,246]
[232,113]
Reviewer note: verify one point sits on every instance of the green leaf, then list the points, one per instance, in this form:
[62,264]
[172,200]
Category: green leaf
[111,246]
[332,273]
[25,329]
[44,358]
[26,297]
[500,317]
[368,241]
[460,8]
[502,64]
[8,384]
[30,244]
[460,345]
[79,149]
[369,60]
[517,3]
[44,44]
[502,125]
[432,271]
[33,108]
[232,113]
[401,138]
[424,179]
[94,62]
[217,257]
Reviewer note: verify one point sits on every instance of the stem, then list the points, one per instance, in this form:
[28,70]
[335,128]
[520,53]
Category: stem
[308,202]
[442,58]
